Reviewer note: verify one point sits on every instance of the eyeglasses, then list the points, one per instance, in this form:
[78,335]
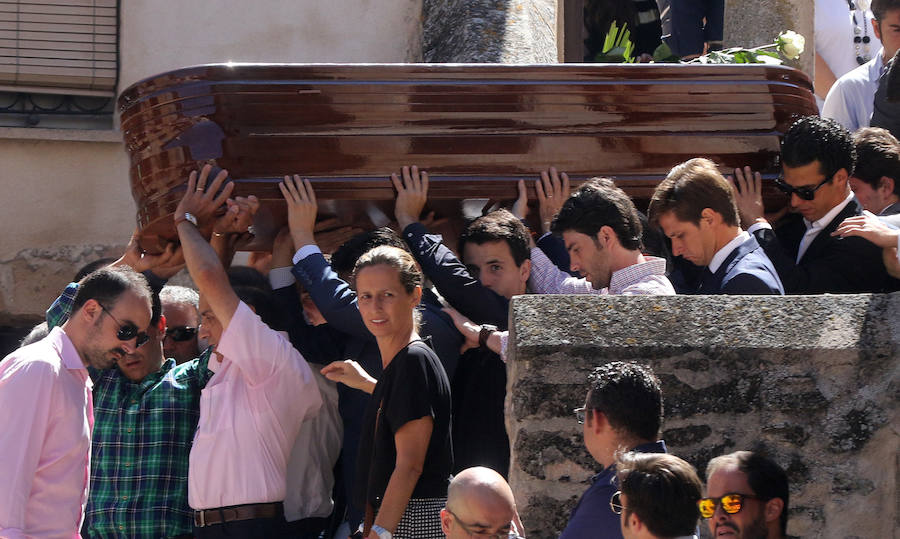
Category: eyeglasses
[580,414]
[806,193]
[731,504]
[181,333]
[615,502]
[511,534]
[127,331]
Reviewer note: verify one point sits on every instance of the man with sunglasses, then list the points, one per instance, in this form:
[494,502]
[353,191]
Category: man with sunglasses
[747,497]
[623,411]
[658,496]
[480,504]
[180,306]
[818,158]
[48,413]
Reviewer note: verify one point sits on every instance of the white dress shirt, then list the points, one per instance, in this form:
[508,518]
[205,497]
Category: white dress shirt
[723,253]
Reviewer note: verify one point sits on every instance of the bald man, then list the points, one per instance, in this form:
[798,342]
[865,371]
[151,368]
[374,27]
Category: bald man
[480,502]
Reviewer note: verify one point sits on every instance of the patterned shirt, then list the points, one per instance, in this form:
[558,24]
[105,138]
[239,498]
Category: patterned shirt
[141,445]
[645,278]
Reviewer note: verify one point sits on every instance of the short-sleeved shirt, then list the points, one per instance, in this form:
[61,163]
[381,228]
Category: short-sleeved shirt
[414,385]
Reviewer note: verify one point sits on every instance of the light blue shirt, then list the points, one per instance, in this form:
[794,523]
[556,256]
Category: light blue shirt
[851,100]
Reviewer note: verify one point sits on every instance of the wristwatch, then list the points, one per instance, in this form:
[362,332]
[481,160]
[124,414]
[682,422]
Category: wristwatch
[382,533]
[189,217]
[486,331]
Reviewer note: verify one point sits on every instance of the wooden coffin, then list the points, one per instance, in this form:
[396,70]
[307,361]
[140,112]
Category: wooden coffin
[476,128]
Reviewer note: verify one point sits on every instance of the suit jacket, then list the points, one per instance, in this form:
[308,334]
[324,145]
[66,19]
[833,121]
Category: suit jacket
[745,271]
[830,264]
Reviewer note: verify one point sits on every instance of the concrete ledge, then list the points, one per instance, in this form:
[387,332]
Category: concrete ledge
[73,135]
[813,380]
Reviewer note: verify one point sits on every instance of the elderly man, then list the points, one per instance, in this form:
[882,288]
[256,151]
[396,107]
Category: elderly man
[695,208]
[260,392]
[479,503]
[45,392]
[658,496]
[623,410]
[180,306]
[747,497]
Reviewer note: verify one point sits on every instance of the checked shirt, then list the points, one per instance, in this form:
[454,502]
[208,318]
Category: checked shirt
[141,446]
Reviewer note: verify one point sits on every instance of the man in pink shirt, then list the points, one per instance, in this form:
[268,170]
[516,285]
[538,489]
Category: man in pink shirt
[261,390]
[45,395]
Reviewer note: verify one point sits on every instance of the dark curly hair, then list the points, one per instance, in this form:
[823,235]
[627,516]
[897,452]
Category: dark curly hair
[499,225]
[629,396]
[812,138]
[600,203]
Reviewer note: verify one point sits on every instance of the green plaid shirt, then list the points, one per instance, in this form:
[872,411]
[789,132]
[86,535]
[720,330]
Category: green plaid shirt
[141,444]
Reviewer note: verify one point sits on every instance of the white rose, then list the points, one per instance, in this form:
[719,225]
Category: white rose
[864,5]
[791,44]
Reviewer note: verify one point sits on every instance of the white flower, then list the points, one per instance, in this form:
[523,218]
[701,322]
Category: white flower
[863,5]
[790,44]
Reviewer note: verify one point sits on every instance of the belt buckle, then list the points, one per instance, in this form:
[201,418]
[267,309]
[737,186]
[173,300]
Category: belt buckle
[202,519]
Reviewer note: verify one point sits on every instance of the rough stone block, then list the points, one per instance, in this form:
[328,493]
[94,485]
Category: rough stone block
[812,380]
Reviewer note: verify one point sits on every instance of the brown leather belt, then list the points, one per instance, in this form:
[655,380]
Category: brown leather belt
[209,517]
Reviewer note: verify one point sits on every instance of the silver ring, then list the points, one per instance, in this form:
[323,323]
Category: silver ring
[251,230]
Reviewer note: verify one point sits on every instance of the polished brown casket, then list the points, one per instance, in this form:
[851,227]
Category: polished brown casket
[476,128]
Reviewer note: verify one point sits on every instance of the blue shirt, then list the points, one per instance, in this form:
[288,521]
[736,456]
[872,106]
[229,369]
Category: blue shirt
[593,518]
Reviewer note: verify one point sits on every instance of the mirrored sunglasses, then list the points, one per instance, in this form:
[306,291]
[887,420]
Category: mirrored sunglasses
[731,503]
[615,503]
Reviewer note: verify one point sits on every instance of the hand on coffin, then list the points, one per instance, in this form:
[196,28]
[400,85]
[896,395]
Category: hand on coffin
[520,206]
[238,216]
[201,201]
[553,190]
[868,226]
[302,209]
[349,373]
[747,188]
[412,194]
[135,257]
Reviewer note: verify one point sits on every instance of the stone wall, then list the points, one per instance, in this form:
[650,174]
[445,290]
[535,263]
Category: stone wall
[751,23]
[812,380]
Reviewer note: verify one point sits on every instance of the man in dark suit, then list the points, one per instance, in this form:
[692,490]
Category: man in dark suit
[876,178]
[695,208]
[818,158]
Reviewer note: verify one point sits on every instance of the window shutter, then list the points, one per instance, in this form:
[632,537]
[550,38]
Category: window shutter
[59,46]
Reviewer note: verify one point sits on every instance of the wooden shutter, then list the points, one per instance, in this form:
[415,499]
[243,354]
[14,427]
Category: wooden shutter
[59,46]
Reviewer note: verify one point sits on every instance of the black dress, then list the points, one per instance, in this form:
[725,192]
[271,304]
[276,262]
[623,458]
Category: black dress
[414,385]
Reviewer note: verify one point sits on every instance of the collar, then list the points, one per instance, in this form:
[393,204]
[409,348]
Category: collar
[658,446]
[723,253]
[634,273]
[828,217]
[878,65]
[70,357]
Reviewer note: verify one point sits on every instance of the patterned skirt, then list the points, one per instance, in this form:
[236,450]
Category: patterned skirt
[422,519]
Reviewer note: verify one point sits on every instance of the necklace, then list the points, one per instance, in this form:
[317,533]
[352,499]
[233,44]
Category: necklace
[861,37]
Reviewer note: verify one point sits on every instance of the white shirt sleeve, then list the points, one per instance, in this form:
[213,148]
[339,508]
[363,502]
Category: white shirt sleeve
[305,251]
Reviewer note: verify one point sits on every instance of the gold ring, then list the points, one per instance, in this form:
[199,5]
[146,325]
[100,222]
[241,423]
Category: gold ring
[200,189]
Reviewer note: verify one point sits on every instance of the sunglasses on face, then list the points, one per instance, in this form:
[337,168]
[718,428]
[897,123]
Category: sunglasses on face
[128,331]
[731,503]
[615,503]
[805,193]
[511,534]
[580,414]
[181,333]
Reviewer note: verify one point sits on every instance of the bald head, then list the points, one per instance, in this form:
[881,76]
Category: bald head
[479,501]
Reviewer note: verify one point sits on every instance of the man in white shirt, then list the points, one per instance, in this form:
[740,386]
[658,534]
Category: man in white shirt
[851,99]
[818,157]
[695,208]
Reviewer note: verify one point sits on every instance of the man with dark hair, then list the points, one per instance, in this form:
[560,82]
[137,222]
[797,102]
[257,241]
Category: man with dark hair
[45,392]
[850,101]
[695,208]
[623,411]
[747,497]
[818,158]
[260,392]
[658,496]
[495,267]
[602,233]
[876,179]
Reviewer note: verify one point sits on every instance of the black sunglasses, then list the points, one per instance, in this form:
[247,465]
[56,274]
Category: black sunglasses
[181,333]
[127,331]
[806,193]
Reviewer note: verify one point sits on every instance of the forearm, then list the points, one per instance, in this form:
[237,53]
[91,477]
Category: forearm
[223,248]
[396,497]
[202,260]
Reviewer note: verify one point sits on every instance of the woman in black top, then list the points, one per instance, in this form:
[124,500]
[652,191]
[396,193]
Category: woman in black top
[405,452]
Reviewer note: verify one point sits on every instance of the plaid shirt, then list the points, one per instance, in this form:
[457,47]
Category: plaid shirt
[141,444]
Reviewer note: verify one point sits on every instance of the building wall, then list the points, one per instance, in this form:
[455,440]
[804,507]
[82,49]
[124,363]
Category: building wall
[66,194]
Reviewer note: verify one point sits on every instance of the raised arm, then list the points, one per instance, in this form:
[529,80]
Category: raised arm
[199,204]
